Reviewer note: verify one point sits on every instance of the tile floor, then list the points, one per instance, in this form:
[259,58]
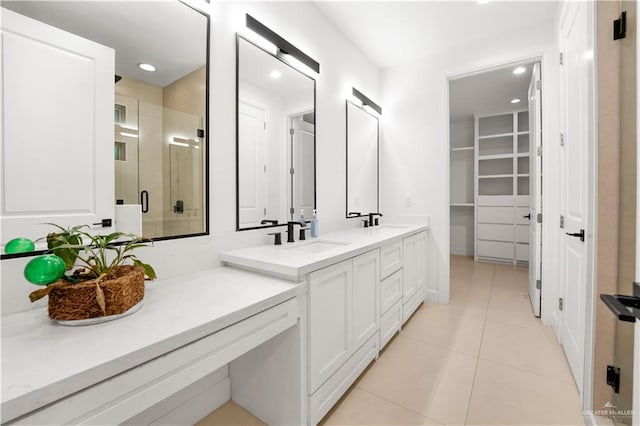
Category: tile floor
[484,359]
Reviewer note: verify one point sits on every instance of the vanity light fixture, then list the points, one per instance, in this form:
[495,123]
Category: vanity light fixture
[284,48]
[147,67]
[275,74]
[519,70]
[366,102]
[515,101]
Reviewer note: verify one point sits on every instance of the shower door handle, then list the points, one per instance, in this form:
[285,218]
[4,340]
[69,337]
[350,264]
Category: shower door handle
[144,201]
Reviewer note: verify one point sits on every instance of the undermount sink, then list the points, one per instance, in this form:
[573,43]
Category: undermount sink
[392,226]
[317,246]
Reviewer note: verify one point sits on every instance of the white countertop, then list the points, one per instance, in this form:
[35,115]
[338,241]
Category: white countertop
[43,361]
[290,262]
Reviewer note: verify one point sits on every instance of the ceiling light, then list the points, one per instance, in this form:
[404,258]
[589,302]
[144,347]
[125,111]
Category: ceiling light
[147,67]
[515,101]
[519,70]
[275,74]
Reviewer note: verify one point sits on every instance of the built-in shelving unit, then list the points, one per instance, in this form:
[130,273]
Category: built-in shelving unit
[501,190]
[462,187]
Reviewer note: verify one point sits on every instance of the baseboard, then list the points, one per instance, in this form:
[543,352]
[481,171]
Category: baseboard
[459,251]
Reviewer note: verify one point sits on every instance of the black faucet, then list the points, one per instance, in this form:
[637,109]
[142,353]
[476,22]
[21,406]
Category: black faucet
[265,221]
[371,215]
[290,226]
[353,214]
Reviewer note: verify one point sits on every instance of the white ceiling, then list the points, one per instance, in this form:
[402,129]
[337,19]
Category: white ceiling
[172,38]
[489,92]
[256,65]
[395,32]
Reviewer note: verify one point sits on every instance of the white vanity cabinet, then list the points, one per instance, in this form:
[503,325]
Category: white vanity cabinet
[60,91]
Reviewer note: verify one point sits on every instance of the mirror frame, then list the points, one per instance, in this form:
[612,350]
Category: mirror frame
[362,214]
[206,119]
[315,133]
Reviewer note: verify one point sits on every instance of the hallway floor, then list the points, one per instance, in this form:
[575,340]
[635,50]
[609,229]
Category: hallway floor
[483,359]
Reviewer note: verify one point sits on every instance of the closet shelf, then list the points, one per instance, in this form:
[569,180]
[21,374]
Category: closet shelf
[464,148]
[496,135]
[509,176]
[462,204]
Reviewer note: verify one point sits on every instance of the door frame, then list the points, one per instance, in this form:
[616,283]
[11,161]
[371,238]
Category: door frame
[592,202]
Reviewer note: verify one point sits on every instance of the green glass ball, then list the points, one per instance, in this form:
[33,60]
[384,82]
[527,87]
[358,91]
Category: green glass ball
[19,245]
[43,270]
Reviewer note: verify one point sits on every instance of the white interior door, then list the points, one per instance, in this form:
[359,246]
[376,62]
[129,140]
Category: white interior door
[535,198]
[303,167]
[576,81]
[251,173]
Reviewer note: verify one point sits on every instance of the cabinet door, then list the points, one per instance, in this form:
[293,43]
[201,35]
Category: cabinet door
[330,321]
[366,290]
[57,141]
[415,264]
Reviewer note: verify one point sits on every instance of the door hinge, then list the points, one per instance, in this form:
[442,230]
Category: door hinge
[265,211]
[265,168]
[291,171]
[538,84]
[561,139]
[561,222]
[561,304]
[538,284]
[291,131]
[561,58]
[265,125]
[539,218]
[539,151]
[620,28]
[613,378]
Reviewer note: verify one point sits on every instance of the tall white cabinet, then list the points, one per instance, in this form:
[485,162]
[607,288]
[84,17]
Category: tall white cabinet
[501,149]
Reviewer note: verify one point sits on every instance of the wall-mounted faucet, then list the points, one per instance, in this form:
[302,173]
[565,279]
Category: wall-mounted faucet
[265,221]
[371,220]
[354,214]
[290,226]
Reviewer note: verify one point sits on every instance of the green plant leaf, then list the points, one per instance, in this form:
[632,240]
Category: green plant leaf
[148,269]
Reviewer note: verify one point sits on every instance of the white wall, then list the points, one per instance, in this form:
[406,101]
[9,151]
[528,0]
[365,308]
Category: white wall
[415,148]
[342,66]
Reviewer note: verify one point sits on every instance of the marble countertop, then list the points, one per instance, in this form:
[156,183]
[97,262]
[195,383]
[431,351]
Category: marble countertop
[293,261]
[43,361]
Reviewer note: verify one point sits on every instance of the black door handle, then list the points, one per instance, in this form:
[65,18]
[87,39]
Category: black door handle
[144,201]
[527,216]
[577,234]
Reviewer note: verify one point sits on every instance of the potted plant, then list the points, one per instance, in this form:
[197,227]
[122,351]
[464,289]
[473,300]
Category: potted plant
[90,276]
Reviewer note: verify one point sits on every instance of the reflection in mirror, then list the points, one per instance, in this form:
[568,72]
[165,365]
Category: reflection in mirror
[160,137]
[362,161]
[275,140]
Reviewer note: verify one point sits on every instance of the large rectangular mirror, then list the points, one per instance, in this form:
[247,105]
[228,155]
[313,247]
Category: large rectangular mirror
[275,139]
[362,161]
[160,116]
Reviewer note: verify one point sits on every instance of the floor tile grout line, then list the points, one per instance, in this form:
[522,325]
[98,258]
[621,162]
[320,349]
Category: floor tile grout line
[527,371]
[475,371]
[399,405]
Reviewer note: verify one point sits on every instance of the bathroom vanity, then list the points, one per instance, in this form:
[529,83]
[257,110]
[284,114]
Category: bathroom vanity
[364,283]
[198,326]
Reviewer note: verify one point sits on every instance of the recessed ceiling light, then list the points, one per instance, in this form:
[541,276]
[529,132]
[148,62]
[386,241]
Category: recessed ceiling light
[515,100]
[519,70]
[275,74]
[147,67]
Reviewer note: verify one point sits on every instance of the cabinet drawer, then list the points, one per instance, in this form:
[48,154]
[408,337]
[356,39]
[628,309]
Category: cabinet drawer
[118,399]
[495,214]
[330,392]
[495,232]
[390,323]
[522,252]
[391,289]
[522,233]
[391,259]
[496,249]
[520,213]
